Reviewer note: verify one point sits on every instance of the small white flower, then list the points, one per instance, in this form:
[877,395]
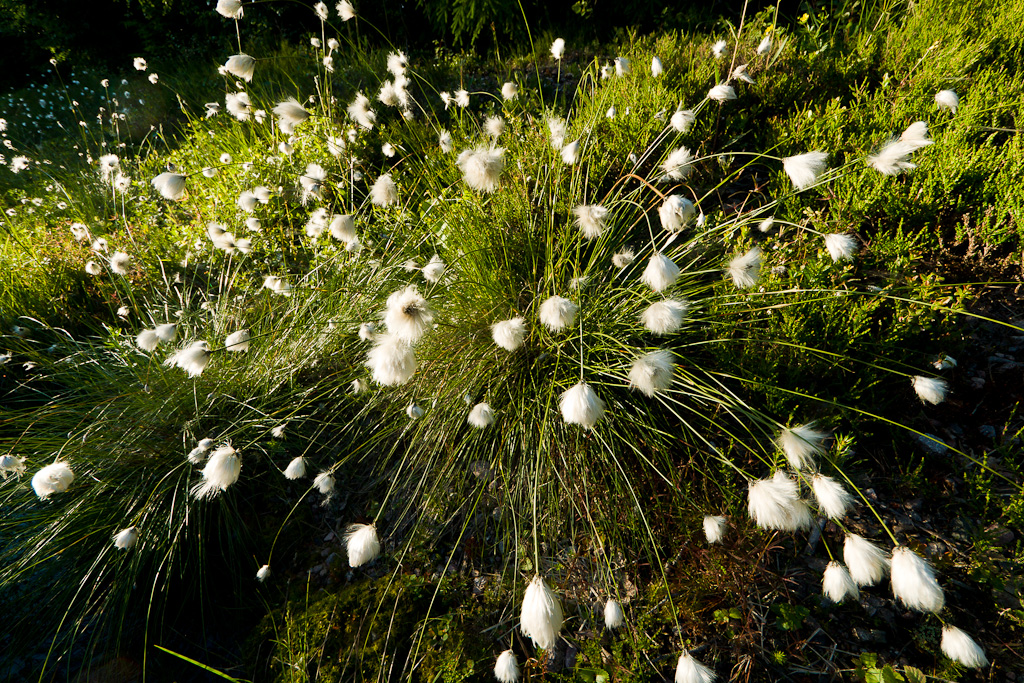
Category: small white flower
[54,478]
[613,616]
[682,120]
[611,113]
[833,499]
[506,668]
[913,581]
[571,153]
[656,68]
[661,273]
[221,471]
[558,48]
[689,670]
[363,544]
[837,585]
[745,269]
[715,527]
[944,362]
[804,169]
[481,416]
[126,538]
[740,74]
[444,140]
[321,11]
[263,573]
[10,464]
[324,483]
[930,389]
[241,66]
[147,340]
[867,562]
[384,191]
[558,313]
[581,405]
[961,648]
[947,99]
[481,167]
[722,92]
[541,616]
[413,411]
[290,114]
[278,431]
[556,130]
[676,212]
[509,334]
[93,268]
[238,105]
[494,126]
[196,455]
[590,219]
[296,468]
[840,247]
[360,111]
[652,372]
[509,91]
[801,444]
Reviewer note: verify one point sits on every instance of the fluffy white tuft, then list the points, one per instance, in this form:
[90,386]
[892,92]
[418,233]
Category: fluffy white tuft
[558,48]
[581,405]
[324,482]
[363,544]
[147,340]
[722,92]
[481,416]
[541,617]
[745,269]
[676,213]
[434,269]
[196,455]
[54,478]
[801,444]
[661,273]
[556,128]
[682,120]
[590,219]
[237,341]
[290,114]
[677,166]
[715,527]
[689,670]
[119,262]
[613,616]
[221,471]
[656,67]
[652,372]
[841,247]
[913,581]
[866,561]
[506,668]
[126,538]
[624,258]
[509,91]
[360,112]
[408,315]
[930,389]
[481,167]
[775,504]
[192,359]
[558,313]
[241,66]
[804,169]
[494,126]
[263,573]
[509,334]
[170,185]
[947,99]
[571,152]
[384,191]
[391,360]
[832,498]
[837,585]
[296,469]
[961,648]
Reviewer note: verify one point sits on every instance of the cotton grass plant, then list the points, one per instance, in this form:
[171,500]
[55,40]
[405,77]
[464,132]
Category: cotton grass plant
[514,331]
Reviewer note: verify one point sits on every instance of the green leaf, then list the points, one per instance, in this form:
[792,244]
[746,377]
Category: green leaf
[914,675]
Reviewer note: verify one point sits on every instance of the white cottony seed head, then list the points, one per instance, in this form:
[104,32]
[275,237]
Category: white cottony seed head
[913,581]
[541,617]
[961,648]
[866,561]
[715,527]
[837,585]
[363,544]
[581,405]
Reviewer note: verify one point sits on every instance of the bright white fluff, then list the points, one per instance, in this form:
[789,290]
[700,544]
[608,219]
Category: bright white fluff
[444,141]
[622,66]
[494,126]
[241,66]
[363,544]
[652,372]
[661,273]
[324,483]
[232,9]
[119,262]
[833,499]
[408,315]
[413,411]
[678,165]
[722,92]
[196,455]
[192,359]
[263,573]
[509,334]
[745,268]
[558,313]
[571,152]
[775,504]
[866,561]
[913,581]
[590,219]
[506,668]
[384,191]
[556,128]
[801,444]
[221,471]
[391,360]
[147,340]
[947,99]
[841,247]
[715,527]
[509,91]
[296,468]
[481,167]
[558,48]
[804,169]
[916,136]
[54,478]
[656,67]
[961,648]
[764,45]
[581,405]
[541,617]
[676,212]
[621,259]
[238,105]
[346,11]
[237,341]
[10,464]
[343,228]
[892,158]
[170,185]
[930,389]
[360,111]
[126,538]
[434,269]
[689,670]
[682,120]
[837,585]
[613,616]
[481,416]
